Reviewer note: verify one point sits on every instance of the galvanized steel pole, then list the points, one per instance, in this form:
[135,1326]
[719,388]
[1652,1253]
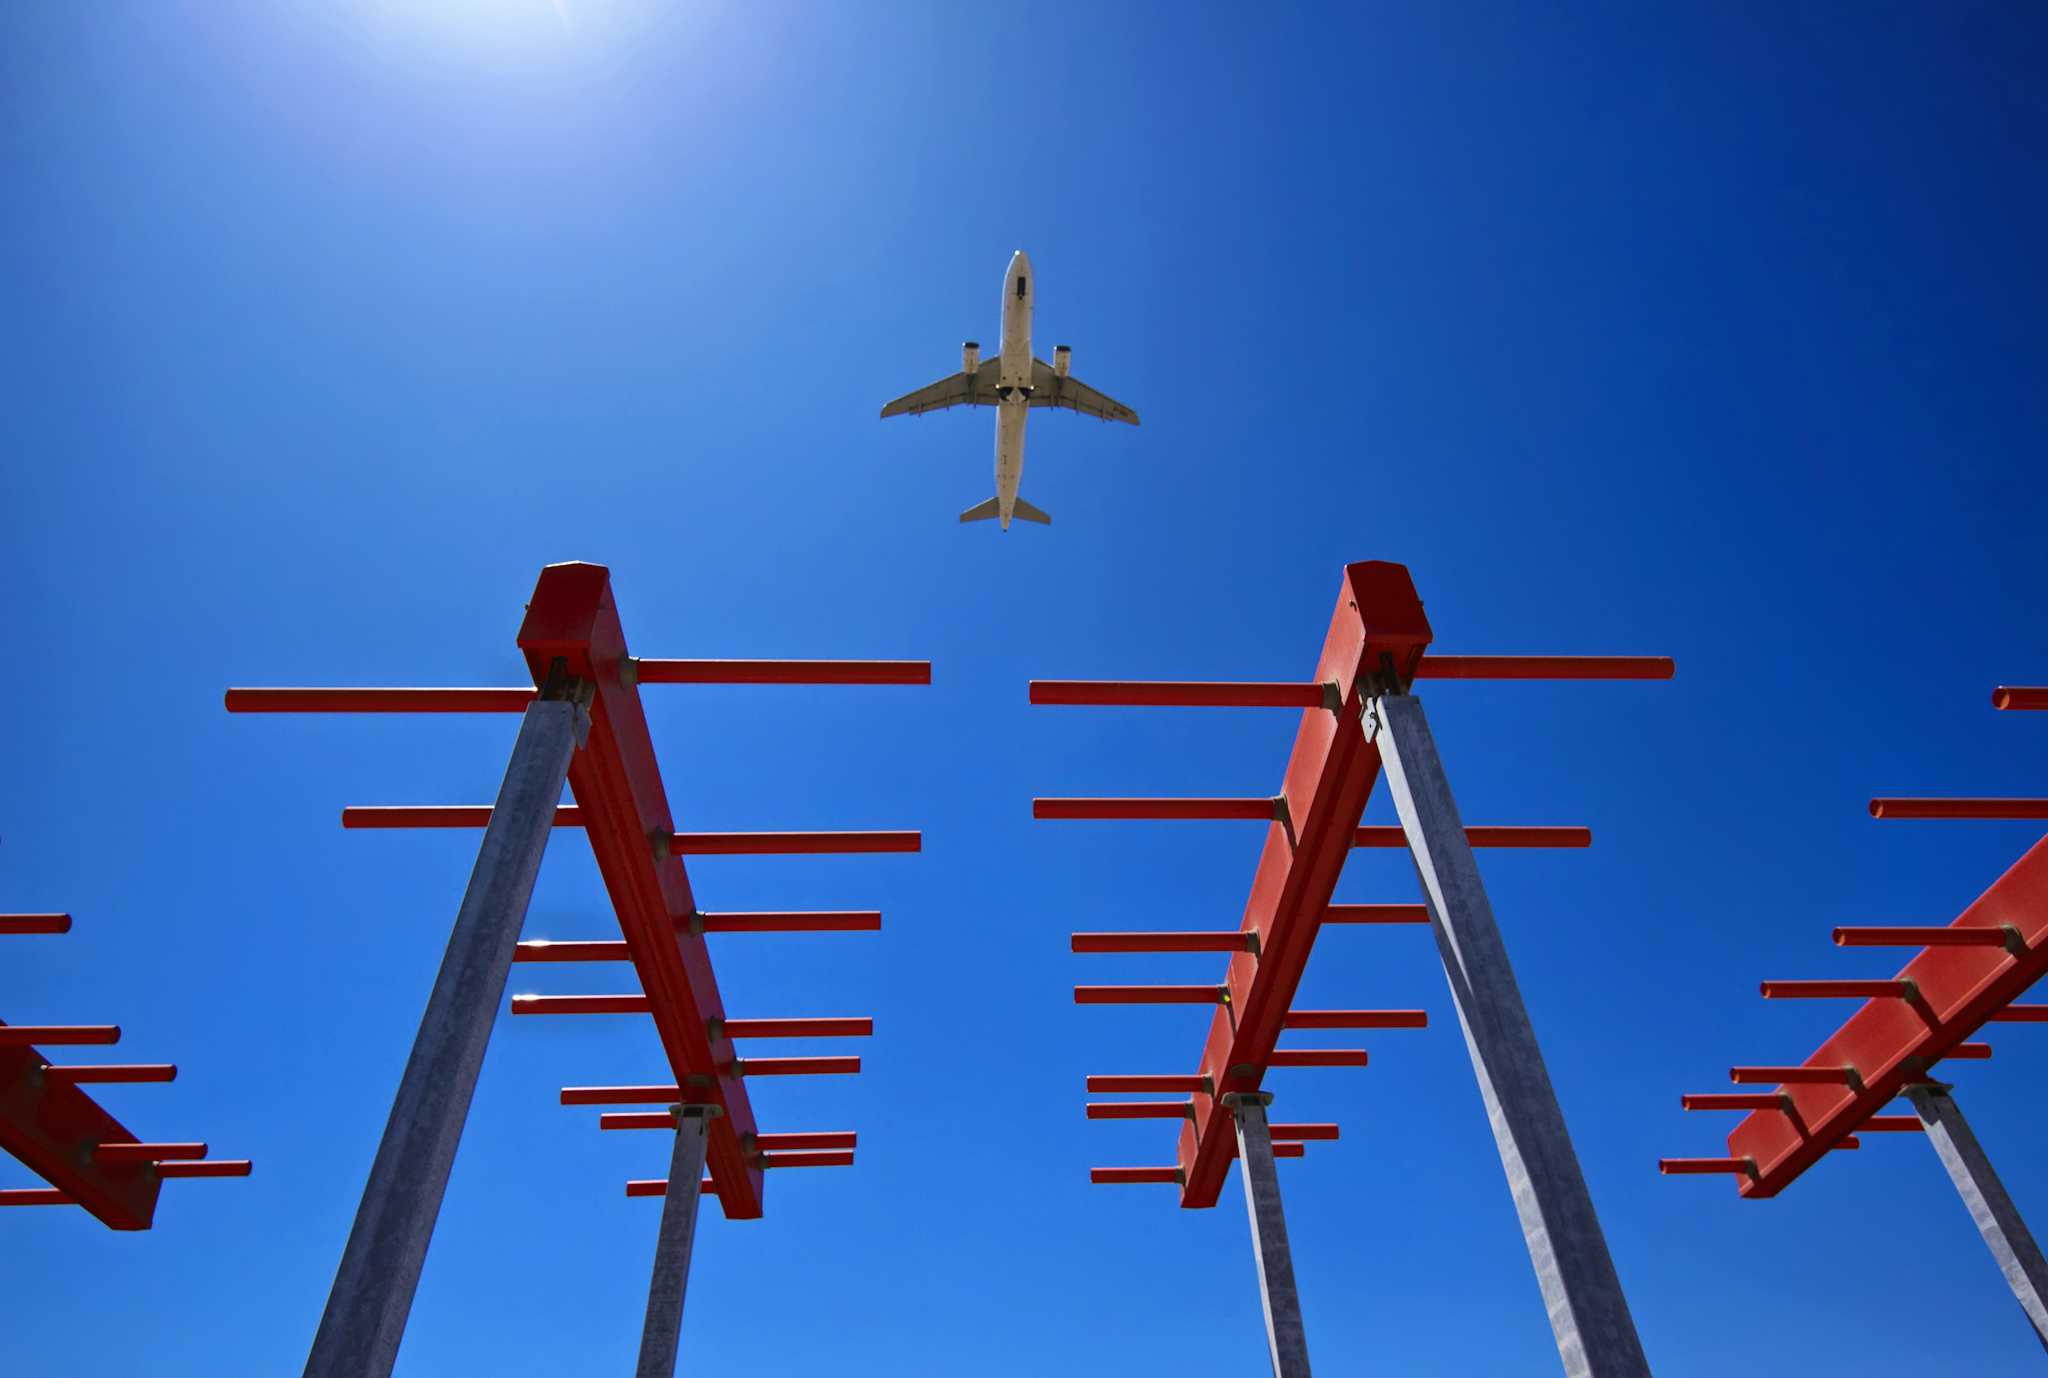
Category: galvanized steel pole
[663,1330]
[1285,1337]
[1589,1315]
[1998,1220]
[380,1267]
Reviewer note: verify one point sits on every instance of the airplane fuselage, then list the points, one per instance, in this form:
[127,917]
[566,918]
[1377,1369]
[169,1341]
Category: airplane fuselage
[1013,383]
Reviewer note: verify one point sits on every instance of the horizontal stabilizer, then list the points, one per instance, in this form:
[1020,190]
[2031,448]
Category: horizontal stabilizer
[982,511]
[1029,513]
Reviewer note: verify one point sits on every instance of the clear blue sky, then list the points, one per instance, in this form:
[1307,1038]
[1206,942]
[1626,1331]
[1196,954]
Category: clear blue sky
[1711,331]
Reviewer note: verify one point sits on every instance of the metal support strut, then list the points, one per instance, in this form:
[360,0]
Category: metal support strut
[663,1331]
[1998,1220]
[1285,1337]
[1589,1315]
[380,1267]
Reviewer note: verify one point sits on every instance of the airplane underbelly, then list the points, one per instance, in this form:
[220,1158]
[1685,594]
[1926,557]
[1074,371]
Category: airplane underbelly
[1009,447]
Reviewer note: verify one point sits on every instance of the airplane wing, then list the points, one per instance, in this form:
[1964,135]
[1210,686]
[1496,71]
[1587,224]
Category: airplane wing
[977,389]
[1051,390]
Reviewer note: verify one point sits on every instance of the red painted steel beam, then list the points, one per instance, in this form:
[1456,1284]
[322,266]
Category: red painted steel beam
[1356,1019]
[1134,1176]
[831,1158]
[1546,667]
[1959,808]
[35,1196]
[788,921]
[797,1066]
[1376,913]
[1835,990]
[677,844]
[581,1004]
[1149,995]
[556,950]
[1292,1148]
[1317,1057]
[223,1167]
[1256,810]
[824,1138]
[1890,1124]
[622,1095]
[1299,1132]
[730,1028]
[1178,693]
[624,808]
[1377,627]
[492,700]
[52,1127]
[782,671]
[638,1119]
[1812,1075]
[65,1035]
[146,1153]
[1106,1085]
[1892,1042]
[1731,1100]
[1388,835]
[1142,1110]
[112,1074]
[2016,696]
[1968,1052]
[34,923]
[2000,936]
[1684,1167]
[2021,1014]
[1163,942]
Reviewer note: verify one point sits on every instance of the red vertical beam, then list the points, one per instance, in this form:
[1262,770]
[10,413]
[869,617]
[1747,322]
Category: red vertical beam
[53,1127]
[1378,625]
[617,783]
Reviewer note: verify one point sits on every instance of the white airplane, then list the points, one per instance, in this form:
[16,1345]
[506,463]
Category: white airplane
[1013,382]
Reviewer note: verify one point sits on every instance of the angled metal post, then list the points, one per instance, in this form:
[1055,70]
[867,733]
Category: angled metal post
[1589,1314]
[1285,1337]
[663,1330]
[380,1267]
[1998,1220]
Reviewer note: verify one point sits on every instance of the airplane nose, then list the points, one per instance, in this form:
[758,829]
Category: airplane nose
[1020,261]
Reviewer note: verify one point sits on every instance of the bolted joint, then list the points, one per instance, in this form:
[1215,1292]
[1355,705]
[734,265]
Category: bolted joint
[2014,943]
[662,842]
[1238,1099]
[697,922]
[629,671]
[704,1111]
[714,1029]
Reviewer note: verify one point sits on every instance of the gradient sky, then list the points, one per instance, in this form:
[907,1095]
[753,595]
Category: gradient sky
[1705,330]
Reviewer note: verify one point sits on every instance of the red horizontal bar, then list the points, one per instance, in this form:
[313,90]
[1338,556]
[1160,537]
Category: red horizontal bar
[555,950]
[1968,1052]
[1287,1148]
[795,921]
[112,1074]
[1949,936]
[1106,1085]
[798,1028]
[782,671]
[680,844]
[580,1004]
[1959,808]
[2018,696]
[1790,1076]
[1147,995]
[1682,1167]
[66,1035]
[1376,913]
[622,1095]
[1356,1019]
[827,1138]
[2022,1014]
[1890,1124]
[1141,1110]
[147,1153]
[1162,942]
[1546,667]
[1300,1132]
[1131,1176]
[1824,990]
[379,700]
[35,1196]
[1260,810]
[221,1167]
[823,1159]
[657,1186]
[34,923]
[638,1119]
[797,1066]
[1849,1141]
[1732,1100]
[1485,836]
[1177,693]
[1316,1057]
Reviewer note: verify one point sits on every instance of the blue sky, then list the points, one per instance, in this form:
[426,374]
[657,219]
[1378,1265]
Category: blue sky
[1699,330]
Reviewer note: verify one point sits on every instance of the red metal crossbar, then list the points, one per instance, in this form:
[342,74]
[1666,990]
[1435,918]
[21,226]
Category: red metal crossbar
[1283,694]
[1164,942]
[2018,696]
[1316,1057]
[1959,808]
[1103,1085]
[515,700]
[677,844]
[22,924]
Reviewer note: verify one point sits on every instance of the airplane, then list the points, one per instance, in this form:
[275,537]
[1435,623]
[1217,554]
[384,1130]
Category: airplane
[1013,382]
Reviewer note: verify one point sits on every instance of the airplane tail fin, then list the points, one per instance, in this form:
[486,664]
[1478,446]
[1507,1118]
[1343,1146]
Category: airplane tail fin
[980,512]
[1031,514]
[1023,511]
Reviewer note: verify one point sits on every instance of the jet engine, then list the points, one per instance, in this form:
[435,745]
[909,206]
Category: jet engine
[1062,360]
[970,357]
